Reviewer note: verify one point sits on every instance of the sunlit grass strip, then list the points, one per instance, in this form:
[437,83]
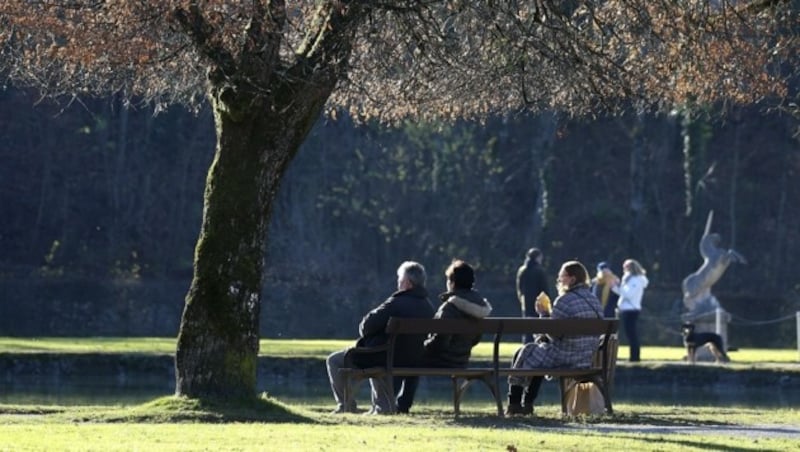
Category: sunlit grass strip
[260,437]
[178,424]
[320,348]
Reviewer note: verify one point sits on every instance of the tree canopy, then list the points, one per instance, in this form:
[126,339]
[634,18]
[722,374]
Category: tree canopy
[412,57]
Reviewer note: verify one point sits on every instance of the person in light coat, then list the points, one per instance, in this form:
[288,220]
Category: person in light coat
[631,291]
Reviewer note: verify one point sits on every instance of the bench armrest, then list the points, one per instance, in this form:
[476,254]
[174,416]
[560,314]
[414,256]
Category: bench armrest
[348,357]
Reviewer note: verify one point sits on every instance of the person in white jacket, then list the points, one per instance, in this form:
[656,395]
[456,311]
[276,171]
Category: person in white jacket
[631,290]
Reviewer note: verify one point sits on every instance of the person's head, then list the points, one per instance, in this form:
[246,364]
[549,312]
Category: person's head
[535,255]
[633,267]
[571,274]
[603,268]
[460,275]
[410,274]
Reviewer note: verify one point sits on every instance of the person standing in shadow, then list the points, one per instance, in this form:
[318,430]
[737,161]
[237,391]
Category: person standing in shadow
[531,281]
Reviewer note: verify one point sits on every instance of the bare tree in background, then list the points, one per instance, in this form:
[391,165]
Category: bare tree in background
[269,68]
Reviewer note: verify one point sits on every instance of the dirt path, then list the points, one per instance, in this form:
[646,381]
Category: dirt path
[750,431]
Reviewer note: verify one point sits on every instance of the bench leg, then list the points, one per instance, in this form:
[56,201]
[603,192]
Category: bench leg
[604,390]
[491,384]
[562,388]
[457,392]
[348,390]
[494,386]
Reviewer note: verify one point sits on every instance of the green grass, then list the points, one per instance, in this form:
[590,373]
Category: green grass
[171,424]
[319,348]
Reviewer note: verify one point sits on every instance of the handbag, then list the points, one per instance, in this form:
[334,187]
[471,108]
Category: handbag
[584,399]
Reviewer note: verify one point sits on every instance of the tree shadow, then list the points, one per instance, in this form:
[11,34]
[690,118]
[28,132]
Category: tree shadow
[175,409]
[662,442]
[644,420]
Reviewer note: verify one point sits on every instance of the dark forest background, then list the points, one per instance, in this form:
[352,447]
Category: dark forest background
[100,207]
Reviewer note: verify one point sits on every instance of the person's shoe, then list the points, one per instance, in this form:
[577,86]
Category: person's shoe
[516,409]
[377,411]
[341,409]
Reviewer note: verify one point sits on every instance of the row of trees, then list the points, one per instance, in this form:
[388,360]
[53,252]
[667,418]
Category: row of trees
[98,192]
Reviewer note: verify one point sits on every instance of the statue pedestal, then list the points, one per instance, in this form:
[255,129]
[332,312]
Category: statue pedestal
[715,321]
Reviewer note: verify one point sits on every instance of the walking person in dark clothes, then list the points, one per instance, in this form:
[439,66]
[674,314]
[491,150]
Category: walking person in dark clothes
[531,281]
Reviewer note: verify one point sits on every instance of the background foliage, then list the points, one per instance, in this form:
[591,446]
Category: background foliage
[101,207]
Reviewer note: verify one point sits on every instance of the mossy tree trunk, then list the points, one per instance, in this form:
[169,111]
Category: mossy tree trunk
[257,136]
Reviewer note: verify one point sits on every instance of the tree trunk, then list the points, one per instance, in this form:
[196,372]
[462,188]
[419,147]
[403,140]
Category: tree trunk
[542,158]
[257,137]
[637,182]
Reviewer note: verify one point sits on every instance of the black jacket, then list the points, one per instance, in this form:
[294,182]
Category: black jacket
[531,280]
[446,350]
[408,350]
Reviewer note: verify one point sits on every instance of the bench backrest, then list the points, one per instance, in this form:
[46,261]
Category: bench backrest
[503,325]
[559,327]
[399,325]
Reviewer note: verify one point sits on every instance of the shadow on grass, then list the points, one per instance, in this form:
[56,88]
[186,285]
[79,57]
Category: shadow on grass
[174,409]
[30,410]
[691,443]
[658,420]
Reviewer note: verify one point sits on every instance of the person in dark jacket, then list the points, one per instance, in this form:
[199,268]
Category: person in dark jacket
[411,301]
[460,301]
[531,281]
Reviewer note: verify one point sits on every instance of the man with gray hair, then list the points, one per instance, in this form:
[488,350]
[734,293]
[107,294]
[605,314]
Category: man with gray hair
[410,300]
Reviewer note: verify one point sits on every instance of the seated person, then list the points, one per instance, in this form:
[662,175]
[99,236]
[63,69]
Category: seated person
[575,300]
[460,301]
[410,300]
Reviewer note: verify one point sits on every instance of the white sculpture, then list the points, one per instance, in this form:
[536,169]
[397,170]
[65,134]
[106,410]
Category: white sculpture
[697,296]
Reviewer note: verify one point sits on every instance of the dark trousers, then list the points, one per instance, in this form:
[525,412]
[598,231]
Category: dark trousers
[629,321]
[610,309]
[525,396]
[404,389]
[520,394]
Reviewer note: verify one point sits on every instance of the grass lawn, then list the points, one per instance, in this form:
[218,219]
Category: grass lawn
[172,424]
[320,348]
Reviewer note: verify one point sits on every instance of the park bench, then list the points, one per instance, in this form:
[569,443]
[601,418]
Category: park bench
[600,372]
